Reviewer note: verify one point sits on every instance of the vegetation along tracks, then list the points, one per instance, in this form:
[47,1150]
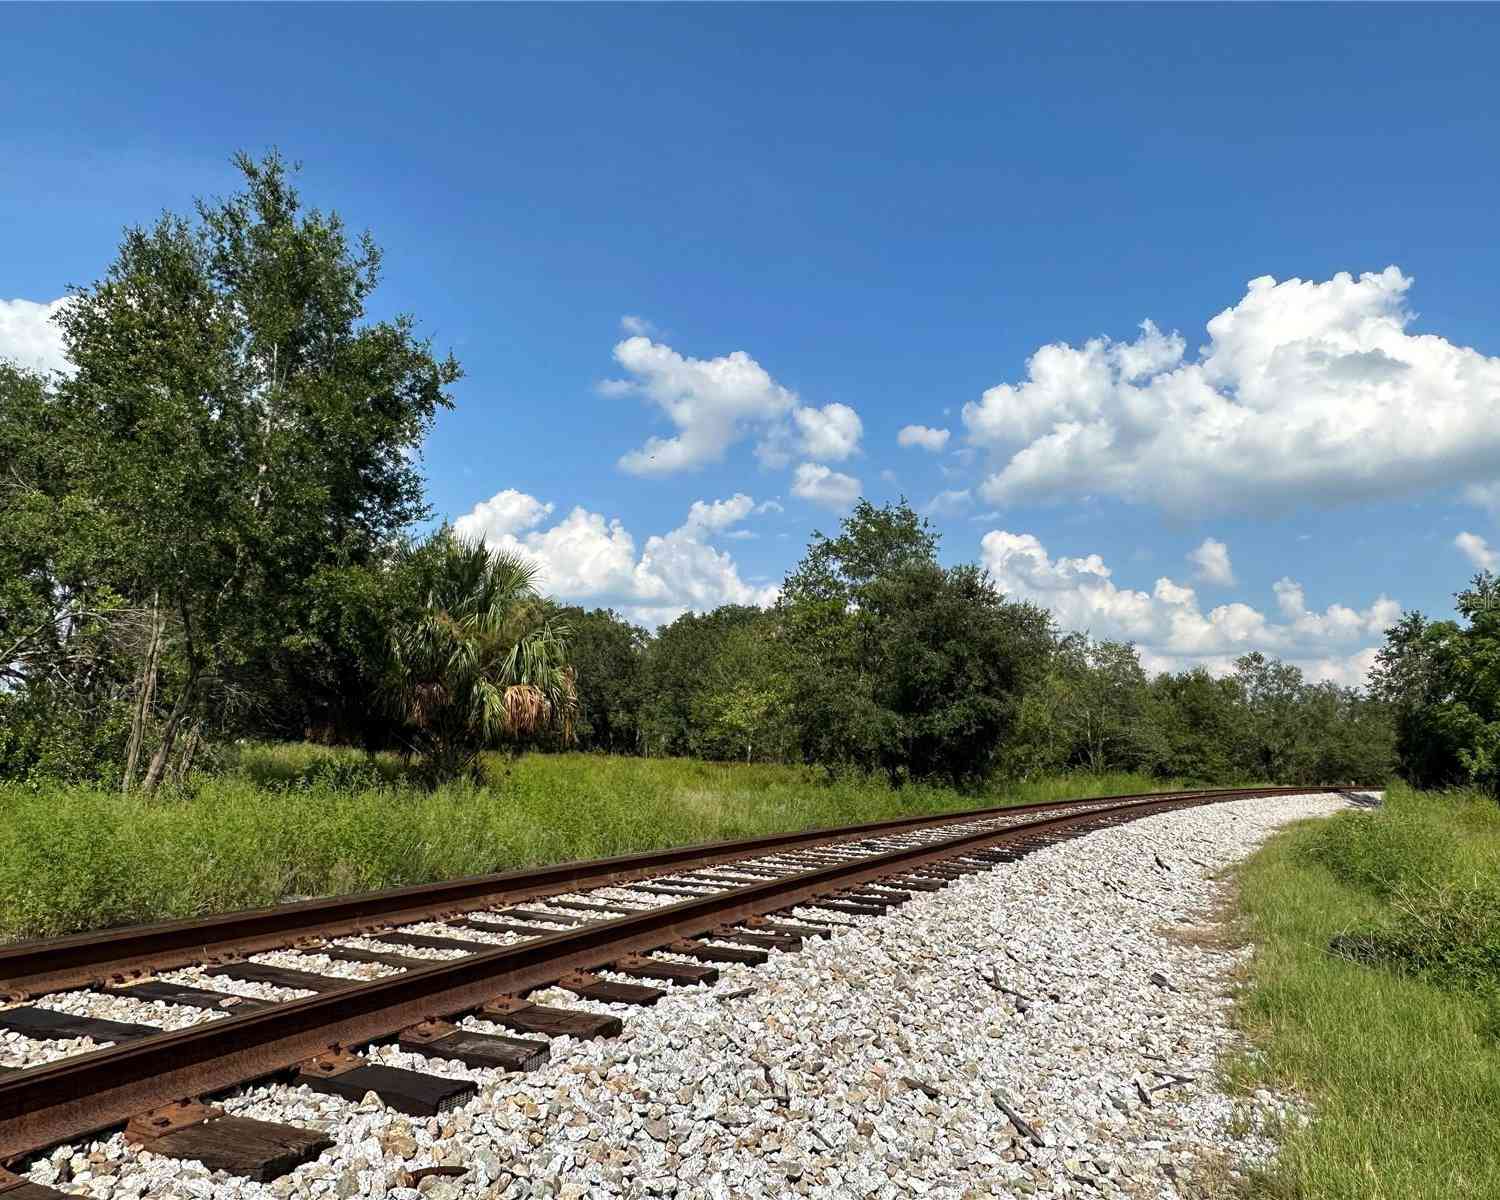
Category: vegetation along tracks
[591,931]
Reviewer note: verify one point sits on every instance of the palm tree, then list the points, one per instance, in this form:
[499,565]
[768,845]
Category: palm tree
[484,662]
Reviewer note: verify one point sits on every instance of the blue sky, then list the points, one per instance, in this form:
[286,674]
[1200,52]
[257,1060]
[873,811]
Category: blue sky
[804,229]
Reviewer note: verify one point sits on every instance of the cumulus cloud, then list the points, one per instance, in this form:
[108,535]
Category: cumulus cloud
[949,503]
[922,436]
[718,401]
[1478,551]
[1306,392]
[830,432]
[1212,560]
[29,337]
[637,326]
[1169,624]
[586,558]
[823,485]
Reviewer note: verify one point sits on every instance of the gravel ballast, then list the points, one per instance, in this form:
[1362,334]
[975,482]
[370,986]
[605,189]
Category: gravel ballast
[1044,1028]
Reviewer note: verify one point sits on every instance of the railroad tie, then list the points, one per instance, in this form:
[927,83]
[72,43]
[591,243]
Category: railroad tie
[440,1039]
[429,941]
[640,966]
[184,996]
[589,906]
[526,931]
[762,939]
[530,914]
[15,1187]
[522,1016]
[257,1150]
[356,954]
[703,952]
[44,1025]
[302,981]
[588,986]
[340,1073]
[762,925]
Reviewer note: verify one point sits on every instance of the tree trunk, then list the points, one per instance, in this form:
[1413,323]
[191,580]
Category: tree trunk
[147,695]
[158,768]
[189,749]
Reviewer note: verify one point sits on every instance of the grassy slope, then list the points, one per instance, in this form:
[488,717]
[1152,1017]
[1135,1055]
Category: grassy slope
[301,820]
[1404,1076]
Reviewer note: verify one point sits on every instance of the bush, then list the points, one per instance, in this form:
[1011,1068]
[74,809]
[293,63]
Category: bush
[1435,860]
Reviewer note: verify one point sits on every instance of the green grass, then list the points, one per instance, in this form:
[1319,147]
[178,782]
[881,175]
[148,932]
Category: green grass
[302,820]
[1398,1056]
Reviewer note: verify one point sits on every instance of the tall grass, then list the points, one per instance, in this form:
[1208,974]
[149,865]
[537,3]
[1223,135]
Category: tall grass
[1400,1062]
[304,820]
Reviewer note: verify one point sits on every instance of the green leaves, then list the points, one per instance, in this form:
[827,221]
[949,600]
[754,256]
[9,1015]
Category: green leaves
[1442,679]
[481,662]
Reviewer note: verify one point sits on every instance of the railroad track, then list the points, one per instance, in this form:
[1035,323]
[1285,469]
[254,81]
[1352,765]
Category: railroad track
[280,990]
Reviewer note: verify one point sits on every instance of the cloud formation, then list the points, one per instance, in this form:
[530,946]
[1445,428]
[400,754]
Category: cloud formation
[1169,625]
[717,402]
[922,436]
[1212,560]
[1478,551]
[586,558]
[1306,392]
[29,337]
[823,485]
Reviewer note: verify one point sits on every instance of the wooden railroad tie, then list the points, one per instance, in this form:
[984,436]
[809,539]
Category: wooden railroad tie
[44,1024]
[511,1012]
[639,966]
[591,987]
[16,1187]
[340,1073]
[186,997]
[302,981]
[258,1150]
[440,1039]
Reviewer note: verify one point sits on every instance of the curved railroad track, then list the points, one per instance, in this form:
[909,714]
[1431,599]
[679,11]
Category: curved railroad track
[598,929]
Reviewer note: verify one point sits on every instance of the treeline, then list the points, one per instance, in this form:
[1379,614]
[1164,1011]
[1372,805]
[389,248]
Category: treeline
[956,687]
[206,534]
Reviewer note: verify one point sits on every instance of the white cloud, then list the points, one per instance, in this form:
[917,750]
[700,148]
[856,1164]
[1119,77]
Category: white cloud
[1306,392]
[712,402]
[830,432]
[1168,623]
[714,516]
[29,337]
[923,436]
[1478,551]
[949,503]
[585,558]
[716,402]
[823,485]
[637,326]
[1212,560]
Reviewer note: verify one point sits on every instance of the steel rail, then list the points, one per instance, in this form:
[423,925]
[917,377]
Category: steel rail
[64,1100]
[34,968]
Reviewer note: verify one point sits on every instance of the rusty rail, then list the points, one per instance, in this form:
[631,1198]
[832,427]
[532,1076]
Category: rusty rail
[64,1100]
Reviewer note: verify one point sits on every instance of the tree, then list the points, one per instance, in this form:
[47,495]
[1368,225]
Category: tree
[899,664]
[606,651]
[242,428]
[1197,717]
[673,672]
[740,707]
[484,662]
[1442,682]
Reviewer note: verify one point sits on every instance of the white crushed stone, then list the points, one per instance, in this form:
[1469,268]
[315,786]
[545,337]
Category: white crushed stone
[801,1086]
